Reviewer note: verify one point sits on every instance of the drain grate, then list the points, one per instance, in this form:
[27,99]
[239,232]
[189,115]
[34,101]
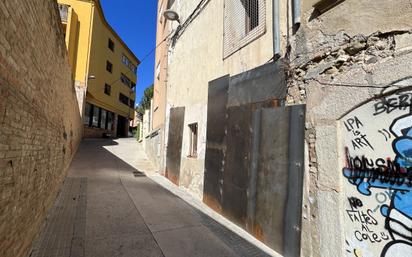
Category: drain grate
[138,174]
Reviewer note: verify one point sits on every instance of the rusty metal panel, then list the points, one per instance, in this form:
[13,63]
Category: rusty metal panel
[272,177]
[237,163]
[216,110]
[293,211]
[261,84]
[279,185]
[254,156]
[215,142]
[174,144]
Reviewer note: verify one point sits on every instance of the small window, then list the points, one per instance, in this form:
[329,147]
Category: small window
[124,99]
[109,66]
[107,89]
[193,140]
[111,45]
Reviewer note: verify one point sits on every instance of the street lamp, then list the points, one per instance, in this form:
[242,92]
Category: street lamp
[171,15]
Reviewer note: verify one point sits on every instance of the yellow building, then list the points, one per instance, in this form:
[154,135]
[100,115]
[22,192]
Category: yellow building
[103,66]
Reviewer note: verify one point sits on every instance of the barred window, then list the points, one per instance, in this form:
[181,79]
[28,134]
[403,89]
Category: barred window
[244,21]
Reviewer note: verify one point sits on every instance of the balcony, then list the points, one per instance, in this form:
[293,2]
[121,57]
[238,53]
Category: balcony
[64,12]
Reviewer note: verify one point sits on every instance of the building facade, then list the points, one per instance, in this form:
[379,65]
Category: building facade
[155,138]
[104,68]
[292,119]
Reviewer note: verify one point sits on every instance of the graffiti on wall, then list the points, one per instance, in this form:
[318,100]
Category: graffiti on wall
[377,143]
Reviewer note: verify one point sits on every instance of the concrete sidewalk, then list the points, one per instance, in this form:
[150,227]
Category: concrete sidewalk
[109,207]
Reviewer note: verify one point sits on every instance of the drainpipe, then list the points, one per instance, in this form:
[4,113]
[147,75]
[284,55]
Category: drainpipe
[296,12]
[276,29]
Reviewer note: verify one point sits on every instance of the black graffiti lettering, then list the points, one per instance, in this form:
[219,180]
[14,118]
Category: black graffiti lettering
[385,171]
[404,101]
[357,163]
[360,142]
[380,163]
[373,220]
[365,228]
[365,233]
[388,105]
[367,142]
[391,104]
[362,217]
[384,236]
[353,123]
[355,202]
[368,236]
[380,107]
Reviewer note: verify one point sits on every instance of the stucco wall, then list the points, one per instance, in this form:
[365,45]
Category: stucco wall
[197,58]
[40,125]
[339,60]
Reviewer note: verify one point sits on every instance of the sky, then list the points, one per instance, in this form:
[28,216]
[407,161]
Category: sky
[135,22]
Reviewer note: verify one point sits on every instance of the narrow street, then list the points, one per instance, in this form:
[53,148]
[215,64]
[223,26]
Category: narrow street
[108,206]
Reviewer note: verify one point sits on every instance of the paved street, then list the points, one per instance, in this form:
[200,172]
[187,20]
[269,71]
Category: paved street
[109,207]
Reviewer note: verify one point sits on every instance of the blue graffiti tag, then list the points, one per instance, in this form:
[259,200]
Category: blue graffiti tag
[395,175]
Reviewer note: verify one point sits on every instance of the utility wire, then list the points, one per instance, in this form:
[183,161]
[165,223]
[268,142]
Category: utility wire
[154,48]
[144,58]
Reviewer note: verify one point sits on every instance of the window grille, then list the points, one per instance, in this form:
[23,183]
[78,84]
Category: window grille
[244,21]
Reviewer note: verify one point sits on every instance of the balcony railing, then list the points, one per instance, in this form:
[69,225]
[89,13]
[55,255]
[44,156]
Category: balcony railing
[64,12]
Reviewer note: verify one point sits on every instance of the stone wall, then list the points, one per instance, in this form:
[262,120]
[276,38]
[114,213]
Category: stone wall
[40,125]
[351,56]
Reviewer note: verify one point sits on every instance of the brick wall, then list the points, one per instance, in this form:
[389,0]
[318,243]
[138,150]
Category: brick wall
[40,125]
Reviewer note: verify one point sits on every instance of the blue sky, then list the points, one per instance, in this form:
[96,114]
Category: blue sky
[135,22]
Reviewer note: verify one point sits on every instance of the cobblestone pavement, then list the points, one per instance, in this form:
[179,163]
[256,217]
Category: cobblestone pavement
[109,206]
